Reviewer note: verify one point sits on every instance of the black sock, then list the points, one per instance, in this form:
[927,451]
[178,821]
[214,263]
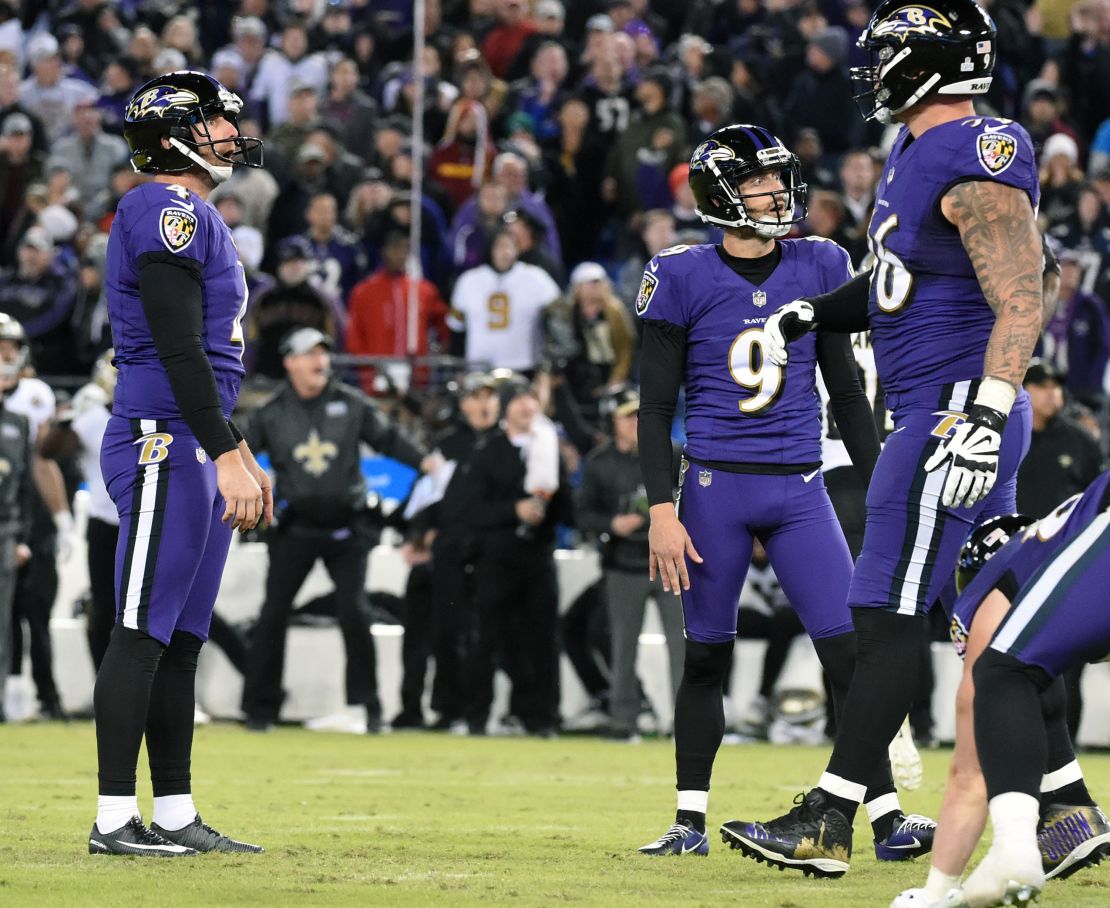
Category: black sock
[120,704]
[169,723]
[838,657]
[882,688]
[699,714]
[846,806]
[1013,750]
[1054,708]
[692,817]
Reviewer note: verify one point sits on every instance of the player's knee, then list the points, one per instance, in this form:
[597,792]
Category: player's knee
[1054,701]
[134,645]
[707,664]
[838,657]
[182,652]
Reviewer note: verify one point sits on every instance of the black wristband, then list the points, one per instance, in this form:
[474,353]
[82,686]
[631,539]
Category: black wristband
[987,416]
[235,433]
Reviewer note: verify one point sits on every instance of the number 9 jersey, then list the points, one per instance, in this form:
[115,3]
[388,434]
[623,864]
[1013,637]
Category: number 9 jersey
[929,319]
[161,222]
[740,407]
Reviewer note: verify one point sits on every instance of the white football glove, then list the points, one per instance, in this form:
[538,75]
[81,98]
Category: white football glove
[972,450]
[783,326]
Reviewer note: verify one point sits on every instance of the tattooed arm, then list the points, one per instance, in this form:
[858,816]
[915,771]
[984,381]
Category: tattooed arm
[999,232]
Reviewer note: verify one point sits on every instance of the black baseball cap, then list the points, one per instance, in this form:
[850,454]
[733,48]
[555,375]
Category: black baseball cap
[1041,373]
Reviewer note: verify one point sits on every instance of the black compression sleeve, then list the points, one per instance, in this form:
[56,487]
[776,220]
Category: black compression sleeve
[170,289]
[843,310]
[847,401]
[662,363]
[235,433]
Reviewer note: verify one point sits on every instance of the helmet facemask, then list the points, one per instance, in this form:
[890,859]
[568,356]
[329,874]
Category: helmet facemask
[247,151]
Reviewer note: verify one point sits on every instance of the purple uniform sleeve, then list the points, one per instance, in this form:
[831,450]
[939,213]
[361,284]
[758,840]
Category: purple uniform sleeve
[164,223]
[662,295]
[989,148]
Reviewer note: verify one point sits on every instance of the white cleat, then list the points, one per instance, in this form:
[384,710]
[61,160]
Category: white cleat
[916,898]
[905,761]
[1005,878]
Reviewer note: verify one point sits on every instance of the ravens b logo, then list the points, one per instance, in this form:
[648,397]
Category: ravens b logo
[177,227]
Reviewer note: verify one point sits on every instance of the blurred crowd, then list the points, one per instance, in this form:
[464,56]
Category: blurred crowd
[555,145]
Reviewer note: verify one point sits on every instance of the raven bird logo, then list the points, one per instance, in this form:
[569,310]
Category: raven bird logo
[907,21]
[710,151]
[159,100]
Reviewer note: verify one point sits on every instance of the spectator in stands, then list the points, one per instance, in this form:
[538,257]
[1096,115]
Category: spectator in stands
[339,261]
[41,295]
[279,67]
[1076,342]
[349,108]
[821,95]
[52,95]
[656,234]
[711,105]
[1087,232]
[1060,178]
[379,316]
[1041,113]
[507,37]
[498,306]
[541,95]
[474,226]
[1063,458]
[647,151]
[590,340]
[611,507]
[858,175]
[291,303]
[89,154]
[10,103]
[685,207]
[573,165]
[1085,64]
[607,93]
[248,35]
[20,166]
[825,218]
[528,231]
[285,139]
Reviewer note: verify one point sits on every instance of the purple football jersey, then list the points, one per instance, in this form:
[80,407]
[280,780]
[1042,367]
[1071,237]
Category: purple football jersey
[929,319]
[739,406]
[167,220]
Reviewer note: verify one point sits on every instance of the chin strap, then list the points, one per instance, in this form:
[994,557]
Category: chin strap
[218,174]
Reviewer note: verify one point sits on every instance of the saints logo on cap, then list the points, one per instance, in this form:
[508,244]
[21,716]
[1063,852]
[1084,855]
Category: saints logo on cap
[177,227]
[647,289]
[996,151]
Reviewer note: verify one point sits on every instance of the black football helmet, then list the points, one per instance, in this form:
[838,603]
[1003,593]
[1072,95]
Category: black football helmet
[984,542]
[947,47]
[172,107]
[729,156]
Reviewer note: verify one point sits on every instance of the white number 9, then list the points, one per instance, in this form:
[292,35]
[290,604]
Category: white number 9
[751,369]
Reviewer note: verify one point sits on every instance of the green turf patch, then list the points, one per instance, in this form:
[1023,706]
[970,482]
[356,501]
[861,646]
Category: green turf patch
[422,819]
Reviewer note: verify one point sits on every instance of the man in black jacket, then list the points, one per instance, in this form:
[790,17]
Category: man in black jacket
[439,621]
[612,505]
[313,429]
[515,592]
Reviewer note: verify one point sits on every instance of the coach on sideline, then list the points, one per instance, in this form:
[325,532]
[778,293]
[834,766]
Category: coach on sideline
[312,428]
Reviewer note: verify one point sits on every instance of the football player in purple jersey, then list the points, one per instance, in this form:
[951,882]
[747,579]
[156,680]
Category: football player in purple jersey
[954,305]
[752,462]
[1001,556]
[177,469]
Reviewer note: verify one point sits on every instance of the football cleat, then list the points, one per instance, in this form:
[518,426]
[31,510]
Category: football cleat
[1071,838]
[1006,876]
[135,839]
[681,838]
[911,837]
[905,761]
[813,837]
[916,898]
[199,836]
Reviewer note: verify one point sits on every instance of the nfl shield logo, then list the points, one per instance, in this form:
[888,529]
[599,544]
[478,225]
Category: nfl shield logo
[201,456]
[705,477]
[759,298]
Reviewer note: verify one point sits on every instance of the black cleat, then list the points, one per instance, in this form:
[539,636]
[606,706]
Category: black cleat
[135,839]
[813,838]
[199,836]
[1071,838]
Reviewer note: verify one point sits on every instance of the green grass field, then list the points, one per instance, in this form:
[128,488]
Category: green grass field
[430,820]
